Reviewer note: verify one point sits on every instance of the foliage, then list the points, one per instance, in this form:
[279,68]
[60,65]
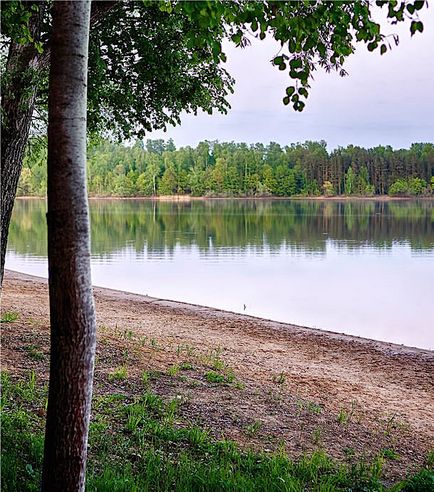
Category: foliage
[9,317]
[230,169]
[409,186]
[151,60]
[140,444]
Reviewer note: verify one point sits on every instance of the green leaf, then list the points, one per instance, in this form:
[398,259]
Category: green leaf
[383,49]
[278,60]
[290,90]
[295,63]
[286,100]
[416,26]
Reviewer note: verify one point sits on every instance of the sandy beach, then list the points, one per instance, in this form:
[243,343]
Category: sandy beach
[307,388]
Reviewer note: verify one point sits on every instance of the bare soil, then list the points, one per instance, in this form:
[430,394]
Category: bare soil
[295,387]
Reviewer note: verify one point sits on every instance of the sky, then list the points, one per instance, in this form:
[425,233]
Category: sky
[385,100]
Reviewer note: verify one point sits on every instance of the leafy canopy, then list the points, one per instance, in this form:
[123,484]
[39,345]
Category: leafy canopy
[149,60]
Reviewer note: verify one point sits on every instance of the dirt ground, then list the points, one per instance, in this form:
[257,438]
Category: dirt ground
[289,386]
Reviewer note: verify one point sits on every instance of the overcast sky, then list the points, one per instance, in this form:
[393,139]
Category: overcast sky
[385,100]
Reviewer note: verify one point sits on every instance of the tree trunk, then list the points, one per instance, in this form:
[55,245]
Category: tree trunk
[72,313]
[18,101]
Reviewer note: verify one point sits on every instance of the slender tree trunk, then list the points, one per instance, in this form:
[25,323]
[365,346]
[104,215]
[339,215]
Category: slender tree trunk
[72,313]
[18,102]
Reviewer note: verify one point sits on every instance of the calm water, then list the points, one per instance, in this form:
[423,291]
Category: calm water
[363,268]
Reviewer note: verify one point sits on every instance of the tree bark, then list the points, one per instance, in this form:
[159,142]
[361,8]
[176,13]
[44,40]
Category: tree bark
[72,313]
[18,102]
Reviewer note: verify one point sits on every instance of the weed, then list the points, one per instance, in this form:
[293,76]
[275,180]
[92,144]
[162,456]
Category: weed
[34,353]
[253,429]
[390,454]
[430,459]
[317,436]
[186,366]
[118,374]
[343,416]
[145,379]
[308,406]
[173,370]
[9,317]
[185,348]
[128,334]
[349,452]
[153,343]
[239,385]
[215,377]
[279,378]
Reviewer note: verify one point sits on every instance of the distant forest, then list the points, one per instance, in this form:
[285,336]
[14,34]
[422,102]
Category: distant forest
[238,169]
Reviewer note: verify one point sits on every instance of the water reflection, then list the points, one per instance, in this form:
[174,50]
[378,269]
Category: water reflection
[361,267]
[219,226]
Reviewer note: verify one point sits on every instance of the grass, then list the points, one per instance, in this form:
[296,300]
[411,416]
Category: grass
[279,378]
[34,353]
[139,443]
[119,374]
[9,317]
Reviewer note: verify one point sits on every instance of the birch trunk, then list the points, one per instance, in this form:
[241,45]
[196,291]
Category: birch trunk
[72,313]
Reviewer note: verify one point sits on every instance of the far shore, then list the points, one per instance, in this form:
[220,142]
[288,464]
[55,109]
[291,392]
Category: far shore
[188,198]
[303,387]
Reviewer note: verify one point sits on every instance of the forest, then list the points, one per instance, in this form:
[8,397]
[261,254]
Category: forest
[229,169]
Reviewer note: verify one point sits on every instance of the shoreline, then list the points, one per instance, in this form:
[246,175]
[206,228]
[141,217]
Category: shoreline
[387,347]
[306,388]
[189,198]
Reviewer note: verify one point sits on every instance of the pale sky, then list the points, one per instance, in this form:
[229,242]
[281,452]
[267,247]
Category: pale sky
[385,100]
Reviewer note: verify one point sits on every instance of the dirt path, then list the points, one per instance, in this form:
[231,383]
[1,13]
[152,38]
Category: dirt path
[306,387]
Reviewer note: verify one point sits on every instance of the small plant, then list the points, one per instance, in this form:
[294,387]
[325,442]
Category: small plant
[173,370]
[128,334]
[345,416]
[119,374]
[316,436]
[390,454]
[430,459]
[390,424]
[215,377]
[279,378]
[186,366]
[253,428]
[185,348]
[34,353]
[145,379]
[349,452]
[9,317]
[153,343]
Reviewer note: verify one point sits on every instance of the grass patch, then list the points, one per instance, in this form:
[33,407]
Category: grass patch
[34,353]
[9,317]
[118,374]
[140,444]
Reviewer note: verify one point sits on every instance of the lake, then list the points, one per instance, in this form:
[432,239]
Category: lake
[364,268]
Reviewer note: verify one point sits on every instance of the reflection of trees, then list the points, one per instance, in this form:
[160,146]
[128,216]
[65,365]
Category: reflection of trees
[157,227]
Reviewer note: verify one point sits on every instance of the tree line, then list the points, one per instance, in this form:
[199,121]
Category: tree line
[238,169]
